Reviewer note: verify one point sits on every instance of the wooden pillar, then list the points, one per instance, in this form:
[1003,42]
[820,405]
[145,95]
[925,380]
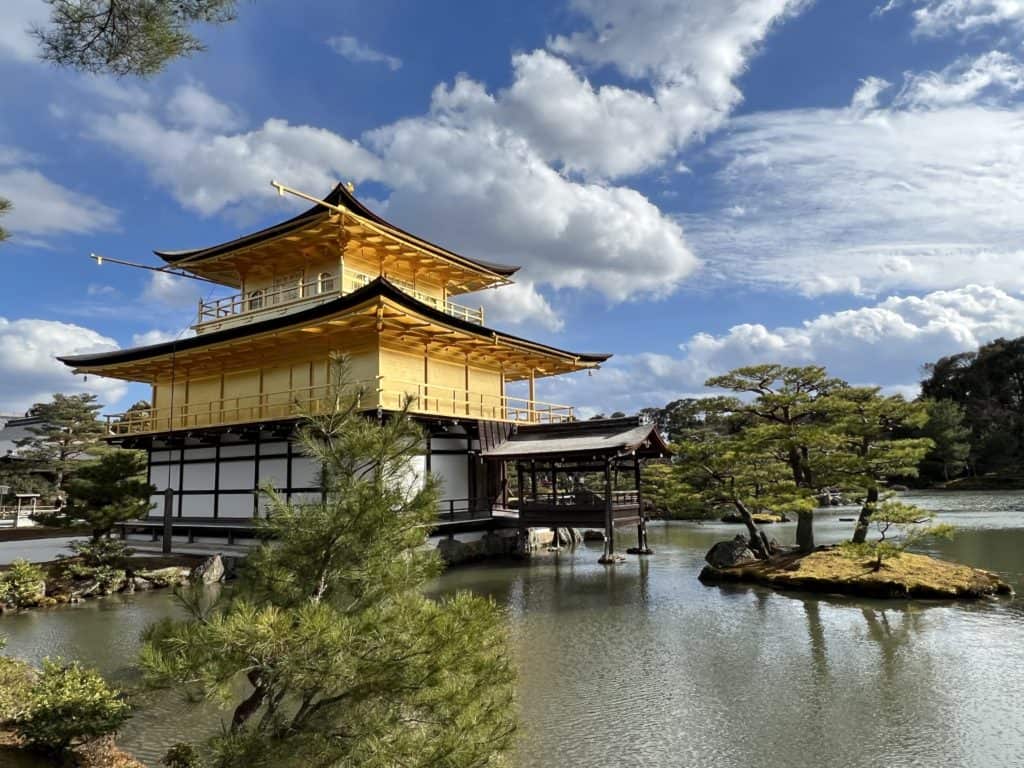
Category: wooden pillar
[531,416]
[608,558]
[168,519]
[554,484]
[522,489]
[642,547]
[533,479]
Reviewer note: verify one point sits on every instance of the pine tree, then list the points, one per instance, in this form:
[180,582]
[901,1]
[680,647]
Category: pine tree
[126,37]
[344,659]
[790,411]
[868,425]
[68,431]
[110,489]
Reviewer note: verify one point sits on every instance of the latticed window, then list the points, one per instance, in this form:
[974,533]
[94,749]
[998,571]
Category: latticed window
[255,299]
[325,283]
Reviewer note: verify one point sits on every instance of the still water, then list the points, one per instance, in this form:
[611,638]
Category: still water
[642,665]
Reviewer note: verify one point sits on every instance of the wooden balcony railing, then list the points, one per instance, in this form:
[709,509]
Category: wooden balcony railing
[380,392]
[259,303]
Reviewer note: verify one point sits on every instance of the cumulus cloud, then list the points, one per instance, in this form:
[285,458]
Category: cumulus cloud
[157,336]
[357,51]
[885,343]
[172,291]
[519,304]
[866,96]
[190,105]
[211,171]
[31,371]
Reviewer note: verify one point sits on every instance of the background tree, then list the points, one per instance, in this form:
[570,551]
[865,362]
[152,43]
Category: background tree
[346,661]
[868,448]
[5,206]
[68,431]
[951,439]
[110,489]
[126,37]
[989,385]
[790,411]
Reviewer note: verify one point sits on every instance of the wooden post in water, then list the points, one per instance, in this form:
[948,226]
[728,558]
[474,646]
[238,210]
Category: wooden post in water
[168,519]
[641,527]
[609,557]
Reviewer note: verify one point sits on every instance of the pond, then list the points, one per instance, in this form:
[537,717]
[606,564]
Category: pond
[642,665]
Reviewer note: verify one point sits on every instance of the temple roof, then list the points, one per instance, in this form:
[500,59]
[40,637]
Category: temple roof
[378,288]
[598,437]
[339,196]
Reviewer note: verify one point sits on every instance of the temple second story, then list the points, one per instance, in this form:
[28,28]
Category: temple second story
[336,279]
[334,248]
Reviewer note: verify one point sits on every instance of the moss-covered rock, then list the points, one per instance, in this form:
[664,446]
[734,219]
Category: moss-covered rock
[829,570]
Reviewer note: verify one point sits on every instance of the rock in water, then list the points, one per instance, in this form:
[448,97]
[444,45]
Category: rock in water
[210,571]
[728,553]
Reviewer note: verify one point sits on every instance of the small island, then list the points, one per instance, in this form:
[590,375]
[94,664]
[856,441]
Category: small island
[830,570]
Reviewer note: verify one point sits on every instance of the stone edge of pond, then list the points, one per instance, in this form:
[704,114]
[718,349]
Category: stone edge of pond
[164,571]
[827,571]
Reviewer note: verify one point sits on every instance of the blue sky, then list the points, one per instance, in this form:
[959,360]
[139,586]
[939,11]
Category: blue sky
[688,185]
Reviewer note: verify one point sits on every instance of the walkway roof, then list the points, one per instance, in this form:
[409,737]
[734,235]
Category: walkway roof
[579,439]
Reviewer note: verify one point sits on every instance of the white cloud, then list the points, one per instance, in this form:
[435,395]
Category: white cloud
[865,98]
[42,208]
[211,172]
[192,106]
[885,344]
[19,16]
[691,53]
[847,200]
[519,304]
[993,74]
[156,336]
[357,51]
[171,291]
[31,371]
[942,17]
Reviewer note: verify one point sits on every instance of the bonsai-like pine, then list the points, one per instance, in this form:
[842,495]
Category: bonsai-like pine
[22,584]
[344,660]
[126,37]
[899,526]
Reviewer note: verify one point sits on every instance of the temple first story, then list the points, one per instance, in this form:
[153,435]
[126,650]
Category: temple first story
[218,474]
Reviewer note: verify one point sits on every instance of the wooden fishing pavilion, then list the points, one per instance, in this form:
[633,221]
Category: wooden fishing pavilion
[577,452]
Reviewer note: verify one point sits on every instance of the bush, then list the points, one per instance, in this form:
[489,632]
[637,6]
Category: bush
[100,552]
[22,585]
[182,756]
[69,704]
[15,682]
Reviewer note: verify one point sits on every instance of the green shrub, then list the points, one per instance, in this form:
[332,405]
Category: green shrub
[101,551]
[22,585]
[182,756]
[69,704]
[15,682]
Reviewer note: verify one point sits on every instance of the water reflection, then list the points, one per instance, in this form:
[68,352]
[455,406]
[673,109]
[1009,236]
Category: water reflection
[640,664]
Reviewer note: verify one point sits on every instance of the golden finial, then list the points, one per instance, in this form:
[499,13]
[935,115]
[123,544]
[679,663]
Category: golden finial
[350,187]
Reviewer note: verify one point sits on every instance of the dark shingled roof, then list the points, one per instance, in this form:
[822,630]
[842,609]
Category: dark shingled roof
[338,196]
[377,287]
[598,437]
